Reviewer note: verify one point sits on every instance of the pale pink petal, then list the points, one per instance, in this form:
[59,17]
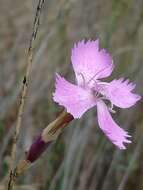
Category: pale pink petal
[116,134]
[119,92]
[90,62]
[74,98]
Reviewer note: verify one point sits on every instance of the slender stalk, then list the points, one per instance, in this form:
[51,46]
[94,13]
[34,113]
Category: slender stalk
[24,93]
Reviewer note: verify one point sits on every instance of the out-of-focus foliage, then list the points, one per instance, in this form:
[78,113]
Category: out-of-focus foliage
[81,158]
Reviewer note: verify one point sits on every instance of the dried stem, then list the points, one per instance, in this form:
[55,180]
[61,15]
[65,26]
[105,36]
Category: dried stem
[24,92]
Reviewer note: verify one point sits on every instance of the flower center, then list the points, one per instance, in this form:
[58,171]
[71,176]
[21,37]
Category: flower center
[96,93]
[96,89]
[98,96]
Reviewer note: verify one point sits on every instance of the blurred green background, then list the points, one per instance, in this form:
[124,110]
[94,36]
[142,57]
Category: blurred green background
[81,158]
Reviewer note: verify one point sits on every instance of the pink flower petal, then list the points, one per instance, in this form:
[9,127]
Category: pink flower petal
[119,92]
[90,62]
[116,134]
[74,98]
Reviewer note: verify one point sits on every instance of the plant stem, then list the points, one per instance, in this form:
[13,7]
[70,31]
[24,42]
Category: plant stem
[24,93]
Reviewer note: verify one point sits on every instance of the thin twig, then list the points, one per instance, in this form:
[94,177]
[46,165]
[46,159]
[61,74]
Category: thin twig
[24,92]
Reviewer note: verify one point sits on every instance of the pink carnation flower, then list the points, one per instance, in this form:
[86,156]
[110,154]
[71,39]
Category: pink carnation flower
[91,64]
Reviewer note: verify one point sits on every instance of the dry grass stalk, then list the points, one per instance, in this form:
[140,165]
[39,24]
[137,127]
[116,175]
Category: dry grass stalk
[24,93]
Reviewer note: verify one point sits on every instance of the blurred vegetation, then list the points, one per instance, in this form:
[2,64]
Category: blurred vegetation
[82,158]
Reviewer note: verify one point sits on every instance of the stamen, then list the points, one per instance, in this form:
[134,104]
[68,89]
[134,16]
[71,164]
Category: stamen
[92,78]
[111,108]
[84,83]
[96,93]
[112,111]
[111,104]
